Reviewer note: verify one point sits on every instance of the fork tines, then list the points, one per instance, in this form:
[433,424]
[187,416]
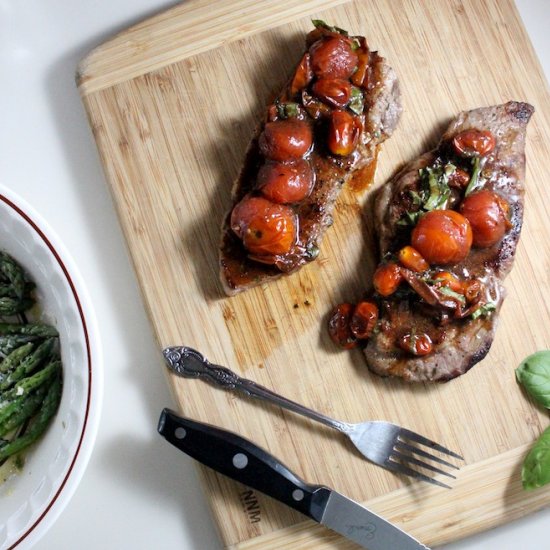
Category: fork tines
[403,458]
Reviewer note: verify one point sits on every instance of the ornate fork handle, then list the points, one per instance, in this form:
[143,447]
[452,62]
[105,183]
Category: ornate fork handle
[190,363]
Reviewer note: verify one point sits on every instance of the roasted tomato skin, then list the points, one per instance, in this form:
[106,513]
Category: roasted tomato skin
[333,91]
[333,57]
[487,213]
[442,237]
[416,344]
[302,76]
[449,280]
[339,326]
[285,139]
[412,259]
[474,143]
[265,228]
[343,133]
[363,320]
[387,278]
[286,182]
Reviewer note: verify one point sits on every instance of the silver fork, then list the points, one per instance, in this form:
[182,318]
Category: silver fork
[386,444]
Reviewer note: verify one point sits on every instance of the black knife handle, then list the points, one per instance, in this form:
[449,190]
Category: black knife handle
[243,461]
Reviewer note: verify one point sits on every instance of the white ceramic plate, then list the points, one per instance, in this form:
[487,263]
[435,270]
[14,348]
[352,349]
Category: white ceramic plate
[31,500]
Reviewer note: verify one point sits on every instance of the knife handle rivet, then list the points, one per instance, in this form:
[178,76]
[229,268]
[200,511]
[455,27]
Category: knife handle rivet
[180,433]
[297,495]
[240,461]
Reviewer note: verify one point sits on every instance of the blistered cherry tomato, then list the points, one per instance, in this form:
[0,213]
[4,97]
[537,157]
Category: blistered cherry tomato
[285,139]
[265,228]
[487,213]
[387,278]
[363,319]
[361,76]
[459,179]
[449,280]
[410,258]
[333,57]
[472,290]
[442,237]
[285,182]
[474,143]
[416,344]
[302,76]
[333,91]
[343,133]
[339,326]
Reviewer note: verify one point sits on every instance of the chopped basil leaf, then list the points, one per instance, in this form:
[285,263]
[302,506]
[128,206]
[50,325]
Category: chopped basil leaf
[449,292]
[534,375]
[287,110]
[475,181]
[437,180]
[417,198]
[410,218]
[356,102]
[485,309]
[320,24]
[434,192]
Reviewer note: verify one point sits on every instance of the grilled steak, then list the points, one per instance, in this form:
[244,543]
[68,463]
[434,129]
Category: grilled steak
[324,127]
[451,308]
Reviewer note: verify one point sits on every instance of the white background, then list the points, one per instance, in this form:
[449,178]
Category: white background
[138,492]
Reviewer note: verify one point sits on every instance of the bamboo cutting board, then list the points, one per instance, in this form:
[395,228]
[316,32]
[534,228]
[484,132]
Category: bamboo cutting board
[173,103]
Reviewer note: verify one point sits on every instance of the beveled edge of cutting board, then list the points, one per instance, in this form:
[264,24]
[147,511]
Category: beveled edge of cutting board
[183,31]
[498,491]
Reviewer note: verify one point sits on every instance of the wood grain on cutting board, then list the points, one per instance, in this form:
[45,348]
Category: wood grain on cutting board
[173,104]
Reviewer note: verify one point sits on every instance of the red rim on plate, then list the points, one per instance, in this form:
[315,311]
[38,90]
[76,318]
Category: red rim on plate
[89,356]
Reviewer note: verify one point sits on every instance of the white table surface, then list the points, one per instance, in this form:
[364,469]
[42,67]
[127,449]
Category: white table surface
[138,492]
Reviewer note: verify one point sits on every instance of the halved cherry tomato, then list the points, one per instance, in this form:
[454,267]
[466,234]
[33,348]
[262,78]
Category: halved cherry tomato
[343,133]
[333,91]
[487,213]
[442,237]
[339,326]
[285,182]
[387,278]
[333,57]
[363,319]
[285,139]
[302,76]
[265,228]
[416,344]
[474,143]
[412,259]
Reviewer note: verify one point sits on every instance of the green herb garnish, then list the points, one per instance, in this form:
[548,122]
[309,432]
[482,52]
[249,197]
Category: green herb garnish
[320,24]
[287,110]
[485,309]
[357,101]
[475,180]
[452,294]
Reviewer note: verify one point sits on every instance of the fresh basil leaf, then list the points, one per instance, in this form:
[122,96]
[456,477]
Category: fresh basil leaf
[320,24]
[476,181]
[534,375]
[452,294]
[536,467]
[288,110]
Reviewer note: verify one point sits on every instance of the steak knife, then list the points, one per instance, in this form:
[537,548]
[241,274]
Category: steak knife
[243,461]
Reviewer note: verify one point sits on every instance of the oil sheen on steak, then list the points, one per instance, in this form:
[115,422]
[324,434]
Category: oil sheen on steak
[461,343]
[238,272]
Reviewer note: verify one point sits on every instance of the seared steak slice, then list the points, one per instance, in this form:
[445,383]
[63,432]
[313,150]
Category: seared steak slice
[460,339]
[310,98]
